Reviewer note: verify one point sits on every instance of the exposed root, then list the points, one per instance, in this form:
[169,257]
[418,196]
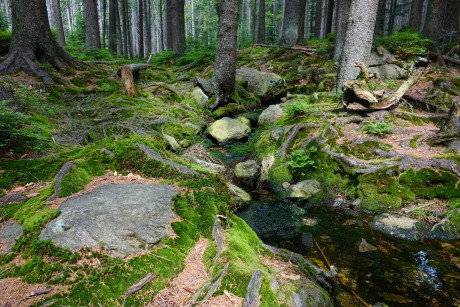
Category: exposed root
[252,295]
[292,136]
[65,169]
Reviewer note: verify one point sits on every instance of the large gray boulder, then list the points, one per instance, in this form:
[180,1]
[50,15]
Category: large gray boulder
[270,115]
[228,130]
[400,226]
[118,218]
[10,231]
[247,172]
[305,189]
[445,230]
[388,71]
[268,86]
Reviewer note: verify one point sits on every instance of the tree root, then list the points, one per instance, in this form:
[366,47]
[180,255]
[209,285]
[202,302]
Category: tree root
[135,288]
[65,169]
[424,104]
[153,87]
[252,295]
[292,136]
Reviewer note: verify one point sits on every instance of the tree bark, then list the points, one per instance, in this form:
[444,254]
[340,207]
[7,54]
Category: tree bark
[290,31]
[58,21]
[169,24]
[358,39]
[392,15]
[179,45]
[261,26]
[452,18]
[343,10]
[225,69]
[380,22]
[318,17]
[433,26]
[93,36]
[330,15]
[32,41]
[415,19]
[140,26]
[113,26]
[302,11]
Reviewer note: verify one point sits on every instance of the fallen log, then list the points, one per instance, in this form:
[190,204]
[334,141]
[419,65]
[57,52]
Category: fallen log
[135,68]
[424,105]
[451,60]
[300,49]
[135,288]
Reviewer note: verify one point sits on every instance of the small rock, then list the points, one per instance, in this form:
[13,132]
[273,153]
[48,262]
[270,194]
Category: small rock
[244,121]
[268,86]
[338,202]
[239,192]
[400,226]
[247,172]
[10,231]
[365,247]
[309,221]
[228,130]
[270,115]
[212,167]
[286,185]
[445,230]
[32,195]
[200,97]
[305,189]
[278,133]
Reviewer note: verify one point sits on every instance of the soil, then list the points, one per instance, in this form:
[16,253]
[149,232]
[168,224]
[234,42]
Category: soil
[16,293]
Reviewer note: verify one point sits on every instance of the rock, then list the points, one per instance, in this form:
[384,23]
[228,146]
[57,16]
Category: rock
[239,192]
[399,226]
[268,86]
[385,54]
[212,167]
[247,172]
[244,121]
[365,247]
[206,86]
[270,114]
[309,222]
[12,198]
[286,185]
[445,230]
[454,145]
[118,218]
[185,143]
[10,231]
[278,132]
[200,97]
[388,71]
[309,295]
[338,202]
[228,130]
[173,144]
[374,60]
[305,189]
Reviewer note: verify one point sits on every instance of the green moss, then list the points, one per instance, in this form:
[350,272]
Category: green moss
[366,149]
[406,42]
[229,110]
[74,181]
[30,207]
[40,218]
[431,183]
[278,175]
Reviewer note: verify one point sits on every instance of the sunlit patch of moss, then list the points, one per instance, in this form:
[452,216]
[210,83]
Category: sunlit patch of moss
[431,183]
[74,181]
[30,207]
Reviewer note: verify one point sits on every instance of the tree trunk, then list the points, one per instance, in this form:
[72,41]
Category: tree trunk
[119,31]
[358,39]
[93,36]
[225,69]
[318,17]
[451,20]
[415,19]
[32,41]
[433,25]
[380,23]
[169,24]
[140,10]
[290,31]
[113,26]
[343,10]
[104,23]
[261,26]
[58,21]
[179,46]
[330,15]
[160,13]
[302,6]
[148,26]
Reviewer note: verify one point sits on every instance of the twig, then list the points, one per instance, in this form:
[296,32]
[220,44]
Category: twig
[133,289]
[420,206]
[39,292]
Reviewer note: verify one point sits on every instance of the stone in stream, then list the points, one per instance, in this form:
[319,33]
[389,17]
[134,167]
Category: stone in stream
[365,247]
[305,189]
[228,130]
[10,231]
[247,172]
[239,193]
[268,86]
[270,115]
[119,218]
[400,226]
[445,230]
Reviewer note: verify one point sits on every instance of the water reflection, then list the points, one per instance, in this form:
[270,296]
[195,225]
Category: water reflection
[427,273]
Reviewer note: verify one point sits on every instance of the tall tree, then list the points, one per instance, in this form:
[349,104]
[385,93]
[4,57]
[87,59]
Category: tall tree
[113,11]
[415,19]
[380,22]
[433,25]
[32,41]
[104,23]
[318,17]
[58,22]
[290,30]
[169,24]
[358,39]
[225,69]
[261,25]
[392,15]
[452,18]
[343,10]
[330,16]
[302,11]
[93,36]
[140,10]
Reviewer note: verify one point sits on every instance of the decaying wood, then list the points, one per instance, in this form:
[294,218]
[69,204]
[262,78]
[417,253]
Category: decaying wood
[39,292]
[135,288]
[358,91]
[451,60]
[424,105]
[60,176]
[135,68]
[252,295]
[127,82]
[283,150]
[452,125]
[215,285]
[299,49]
[153,87]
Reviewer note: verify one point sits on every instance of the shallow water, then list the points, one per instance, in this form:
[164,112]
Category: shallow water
[398,273]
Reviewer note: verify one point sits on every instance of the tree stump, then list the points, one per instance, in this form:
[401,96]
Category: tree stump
[127,81]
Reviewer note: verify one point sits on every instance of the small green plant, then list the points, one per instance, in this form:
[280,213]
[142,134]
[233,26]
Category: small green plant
[298,108]
[303,160]
[380,128]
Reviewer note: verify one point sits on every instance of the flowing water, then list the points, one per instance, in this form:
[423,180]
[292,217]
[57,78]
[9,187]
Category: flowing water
[398,273]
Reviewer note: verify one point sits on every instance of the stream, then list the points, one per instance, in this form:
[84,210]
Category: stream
[398,273]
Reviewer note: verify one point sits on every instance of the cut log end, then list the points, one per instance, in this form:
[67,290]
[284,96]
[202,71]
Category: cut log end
[127,81]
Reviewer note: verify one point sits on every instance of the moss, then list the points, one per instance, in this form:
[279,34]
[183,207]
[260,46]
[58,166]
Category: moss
[406,42]
[366,149]
[229,110]
[431,183]
[380,192]
[40,218]
[278,175]
[30,207]
[74,181]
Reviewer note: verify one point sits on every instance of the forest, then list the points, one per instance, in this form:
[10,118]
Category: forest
[229,153]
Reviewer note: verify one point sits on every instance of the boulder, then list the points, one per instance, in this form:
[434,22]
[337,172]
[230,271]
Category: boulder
[270,115]
[206,86]
[212,167]
[228,130]
[278,133]
[119,218]
[239,193]
[399,226]
[200,96]
[268,86]
[374,60]
[247,172]
[10,231]
[388,71]
[305,189]
[244,121]
[445,230]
